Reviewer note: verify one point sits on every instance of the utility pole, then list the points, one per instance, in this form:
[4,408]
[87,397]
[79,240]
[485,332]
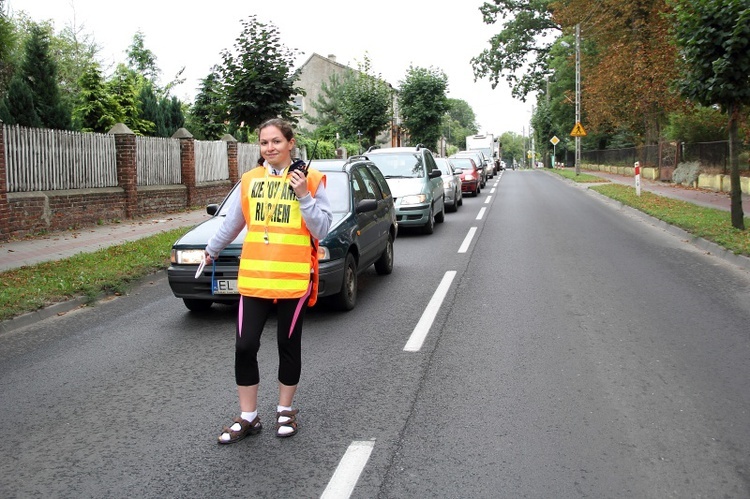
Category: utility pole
[578,96]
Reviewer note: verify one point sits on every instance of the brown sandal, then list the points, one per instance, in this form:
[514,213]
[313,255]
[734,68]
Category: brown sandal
[291,423]
[246,428]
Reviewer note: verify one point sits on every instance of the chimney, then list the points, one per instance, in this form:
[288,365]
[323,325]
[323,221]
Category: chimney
[332,57]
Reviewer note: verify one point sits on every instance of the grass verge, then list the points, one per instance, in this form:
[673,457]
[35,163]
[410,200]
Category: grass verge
[581,177]
[107,271]
[710,224]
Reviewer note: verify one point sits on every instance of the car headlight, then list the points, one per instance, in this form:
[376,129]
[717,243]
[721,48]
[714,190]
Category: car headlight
[187,257]
[469,176]
[449,185]
[323,254]
[418,199]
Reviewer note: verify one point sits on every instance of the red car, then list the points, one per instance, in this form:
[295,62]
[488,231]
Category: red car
[471,177]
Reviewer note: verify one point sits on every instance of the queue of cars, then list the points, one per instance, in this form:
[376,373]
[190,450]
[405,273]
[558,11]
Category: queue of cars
[371,196]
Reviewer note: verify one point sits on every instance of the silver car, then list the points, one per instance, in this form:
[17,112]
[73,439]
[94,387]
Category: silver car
[451,184]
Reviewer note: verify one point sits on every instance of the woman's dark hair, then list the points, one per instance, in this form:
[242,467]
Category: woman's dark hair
[283,126]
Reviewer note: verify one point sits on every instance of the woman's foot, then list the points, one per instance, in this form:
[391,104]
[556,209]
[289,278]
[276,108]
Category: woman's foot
[239,430]
[286,423]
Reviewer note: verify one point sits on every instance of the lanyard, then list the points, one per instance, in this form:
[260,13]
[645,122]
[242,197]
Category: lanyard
[267,200]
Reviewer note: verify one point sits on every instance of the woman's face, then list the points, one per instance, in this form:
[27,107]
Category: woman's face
[275,148]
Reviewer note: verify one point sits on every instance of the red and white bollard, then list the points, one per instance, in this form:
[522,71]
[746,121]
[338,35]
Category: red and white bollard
[637,178]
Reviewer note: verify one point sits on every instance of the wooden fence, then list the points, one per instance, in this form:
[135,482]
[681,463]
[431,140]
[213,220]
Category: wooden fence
[53,179]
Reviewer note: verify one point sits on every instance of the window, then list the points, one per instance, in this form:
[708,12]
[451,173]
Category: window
[298,104]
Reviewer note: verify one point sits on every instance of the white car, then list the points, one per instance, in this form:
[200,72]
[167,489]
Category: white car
[451,184]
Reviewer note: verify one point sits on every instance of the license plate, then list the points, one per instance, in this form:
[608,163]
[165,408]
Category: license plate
[225,287]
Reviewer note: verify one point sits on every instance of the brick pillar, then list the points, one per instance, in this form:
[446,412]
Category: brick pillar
[127,170]
[4,207]
[187,164]
[234,169]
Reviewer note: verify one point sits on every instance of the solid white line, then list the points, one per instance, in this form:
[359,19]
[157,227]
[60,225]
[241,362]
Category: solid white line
[467,240]
[481,213]
[347,472]
[487,201]
[428,316]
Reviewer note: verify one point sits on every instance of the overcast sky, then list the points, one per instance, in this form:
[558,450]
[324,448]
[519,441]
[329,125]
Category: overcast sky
[393,33]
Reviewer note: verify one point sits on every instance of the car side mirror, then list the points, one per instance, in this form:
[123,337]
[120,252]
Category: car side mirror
[212,209]
[458,171]
[366,205]
[435,174]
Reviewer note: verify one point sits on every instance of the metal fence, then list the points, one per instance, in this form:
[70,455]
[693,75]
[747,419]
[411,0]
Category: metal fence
[158,161]
[712,156]
[39,159]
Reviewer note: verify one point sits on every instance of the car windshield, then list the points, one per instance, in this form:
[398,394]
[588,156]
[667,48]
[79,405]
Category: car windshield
[337,188]
[404,165]
[463,163]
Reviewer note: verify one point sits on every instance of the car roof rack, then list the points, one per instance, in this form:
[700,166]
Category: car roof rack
[372,148]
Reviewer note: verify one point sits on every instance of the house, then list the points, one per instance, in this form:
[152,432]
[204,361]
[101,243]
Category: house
[317,70]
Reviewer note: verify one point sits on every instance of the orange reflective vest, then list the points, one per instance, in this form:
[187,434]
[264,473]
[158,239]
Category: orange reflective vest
[279,256]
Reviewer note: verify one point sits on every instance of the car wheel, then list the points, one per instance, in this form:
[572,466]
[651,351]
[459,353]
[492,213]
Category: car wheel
[197,305]
[477,191]
[429,227]
[347,297]
[384,264]
[460,199]
[440,217]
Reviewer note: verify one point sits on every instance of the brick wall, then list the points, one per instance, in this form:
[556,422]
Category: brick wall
[28,213]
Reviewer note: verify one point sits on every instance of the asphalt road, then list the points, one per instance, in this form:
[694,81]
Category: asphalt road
[575,351]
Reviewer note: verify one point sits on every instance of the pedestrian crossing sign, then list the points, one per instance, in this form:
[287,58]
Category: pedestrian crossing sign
[578,130]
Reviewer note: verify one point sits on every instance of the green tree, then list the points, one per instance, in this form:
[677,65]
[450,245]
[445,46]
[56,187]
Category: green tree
[40,72]
[207,116]
[366,104]
[74,51]
[713,37]
[258,77]
[698,124]
[124,87]
[330,115]
[459,122]
[423,103]
[18,106]
[8,44]
[96,110]
[520,48]
[142,60]
[514,148]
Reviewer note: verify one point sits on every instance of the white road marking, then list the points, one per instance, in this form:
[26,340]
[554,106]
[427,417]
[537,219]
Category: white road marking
[481,213]
[467,240]
[487,201]
[347,472]
[428,316]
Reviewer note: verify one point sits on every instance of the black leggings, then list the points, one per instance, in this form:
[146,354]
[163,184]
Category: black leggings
[253,313]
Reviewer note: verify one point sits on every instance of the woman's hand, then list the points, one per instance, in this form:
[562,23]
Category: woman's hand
[298,181]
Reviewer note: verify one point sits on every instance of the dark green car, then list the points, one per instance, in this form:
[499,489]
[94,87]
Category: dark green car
[362,233]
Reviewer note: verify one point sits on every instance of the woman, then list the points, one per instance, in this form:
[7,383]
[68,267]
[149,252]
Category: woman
[286,214]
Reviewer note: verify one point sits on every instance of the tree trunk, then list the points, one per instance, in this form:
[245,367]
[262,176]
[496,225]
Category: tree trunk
[738,217]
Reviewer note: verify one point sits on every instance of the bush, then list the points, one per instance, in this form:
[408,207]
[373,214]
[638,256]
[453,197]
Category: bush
[687,173]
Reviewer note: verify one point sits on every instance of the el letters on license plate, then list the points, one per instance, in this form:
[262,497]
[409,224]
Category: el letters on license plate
[225,287]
